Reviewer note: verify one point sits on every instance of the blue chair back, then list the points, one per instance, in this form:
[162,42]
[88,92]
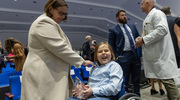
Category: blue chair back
[4,78]
[18,73]
[12,64]
[77,72]
[15,86]
[8,68]
[85,73]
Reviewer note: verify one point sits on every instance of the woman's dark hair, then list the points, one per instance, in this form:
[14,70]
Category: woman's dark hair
[55,4]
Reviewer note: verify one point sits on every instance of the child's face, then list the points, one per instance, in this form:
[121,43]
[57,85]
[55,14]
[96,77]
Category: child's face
[103,54]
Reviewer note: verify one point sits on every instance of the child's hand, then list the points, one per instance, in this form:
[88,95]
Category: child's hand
[75,92]
[85,87]
[88,92]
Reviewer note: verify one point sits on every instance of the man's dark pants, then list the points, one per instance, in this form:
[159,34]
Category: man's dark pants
[131,65]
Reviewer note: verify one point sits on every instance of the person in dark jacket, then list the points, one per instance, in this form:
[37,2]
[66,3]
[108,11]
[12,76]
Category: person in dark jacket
[92,49]
[122,38]
[174,31]
[86,54]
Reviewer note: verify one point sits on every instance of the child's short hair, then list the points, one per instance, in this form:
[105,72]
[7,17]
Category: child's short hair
[96,50]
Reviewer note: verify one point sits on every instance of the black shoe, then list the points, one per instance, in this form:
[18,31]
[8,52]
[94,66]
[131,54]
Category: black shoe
[128,90]
[161,91]
[153,92]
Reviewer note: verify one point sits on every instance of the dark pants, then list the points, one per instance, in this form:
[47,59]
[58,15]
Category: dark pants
[131,65]
[171,88]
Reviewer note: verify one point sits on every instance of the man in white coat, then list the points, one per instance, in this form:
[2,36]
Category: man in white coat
[158,52]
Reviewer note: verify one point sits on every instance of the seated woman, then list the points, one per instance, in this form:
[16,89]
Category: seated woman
[105,79]
[18,51]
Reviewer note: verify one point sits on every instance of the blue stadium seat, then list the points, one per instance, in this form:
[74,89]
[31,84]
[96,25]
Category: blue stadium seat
[85,72]
[8,68]
[18,73]
[15,87]
[4,78]
[77,72]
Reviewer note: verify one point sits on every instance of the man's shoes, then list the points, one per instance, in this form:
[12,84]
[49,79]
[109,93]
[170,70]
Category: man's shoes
[153,92]
[161,91]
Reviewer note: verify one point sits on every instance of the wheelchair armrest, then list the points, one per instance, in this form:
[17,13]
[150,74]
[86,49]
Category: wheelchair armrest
[9,95]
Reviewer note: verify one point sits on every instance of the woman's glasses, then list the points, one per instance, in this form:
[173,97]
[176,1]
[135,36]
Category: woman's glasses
[62,13]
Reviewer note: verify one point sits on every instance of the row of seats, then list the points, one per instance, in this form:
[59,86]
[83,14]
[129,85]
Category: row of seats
[4,77]
[15,88]
[82,73]
[10,79]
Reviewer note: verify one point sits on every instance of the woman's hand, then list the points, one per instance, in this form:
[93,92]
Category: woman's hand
[87,63]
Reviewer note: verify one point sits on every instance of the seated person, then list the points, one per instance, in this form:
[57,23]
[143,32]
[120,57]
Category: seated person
[105,79]
[11,60]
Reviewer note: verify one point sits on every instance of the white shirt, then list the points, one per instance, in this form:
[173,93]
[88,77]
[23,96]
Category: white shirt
[126,42]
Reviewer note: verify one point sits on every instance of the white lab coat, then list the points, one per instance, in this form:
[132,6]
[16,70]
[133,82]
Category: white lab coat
[158,52]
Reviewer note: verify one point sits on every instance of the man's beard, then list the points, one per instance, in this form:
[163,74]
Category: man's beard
[123,21]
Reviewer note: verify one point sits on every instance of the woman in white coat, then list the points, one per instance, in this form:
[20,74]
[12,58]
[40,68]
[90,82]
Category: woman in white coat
[46,70]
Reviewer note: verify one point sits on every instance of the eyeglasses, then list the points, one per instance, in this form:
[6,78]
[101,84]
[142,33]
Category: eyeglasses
[62,13]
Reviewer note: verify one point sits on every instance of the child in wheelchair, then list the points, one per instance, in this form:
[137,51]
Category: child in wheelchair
[105,80]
